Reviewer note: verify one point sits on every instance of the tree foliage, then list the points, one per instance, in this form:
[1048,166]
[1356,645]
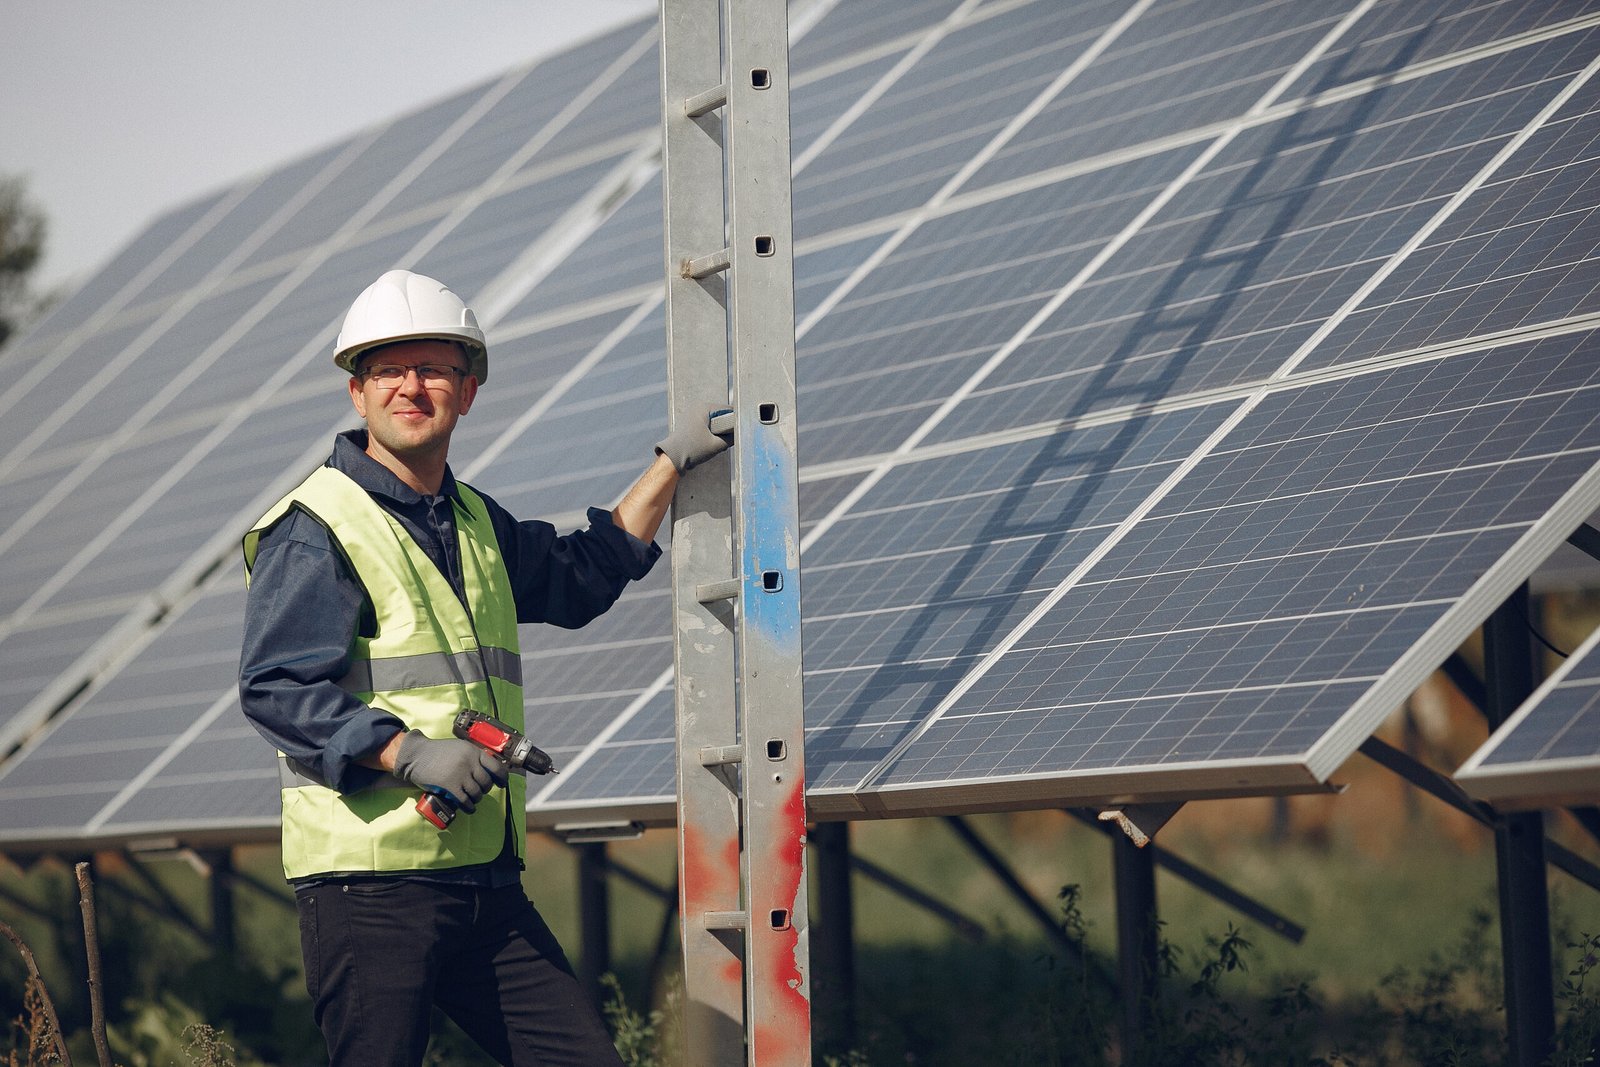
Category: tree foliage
[22,236]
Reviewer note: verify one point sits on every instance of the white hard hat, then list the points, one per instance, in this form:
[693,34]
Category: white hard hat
[403,306]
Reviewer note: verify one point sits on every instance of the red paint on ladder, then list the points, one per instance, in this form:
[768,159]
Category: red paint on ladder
[709,882]
[786,1036]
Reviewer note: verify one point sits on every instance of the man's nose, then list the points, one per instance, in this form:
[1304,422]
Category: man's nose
[411,385]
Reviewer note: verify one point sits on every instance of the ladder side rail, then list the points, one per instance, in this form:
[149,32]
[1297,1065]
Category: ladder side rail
[767,532]
[703,657]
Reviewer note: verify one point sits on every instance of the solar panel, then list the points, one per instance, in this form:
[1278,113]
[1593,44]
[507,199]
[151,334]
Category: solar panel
[217,346]
[1180,382]
[1547,754]
[1262,615]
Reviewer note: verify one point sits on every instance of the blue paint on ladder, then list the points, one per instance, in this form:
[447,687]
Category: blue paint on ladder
[770,530]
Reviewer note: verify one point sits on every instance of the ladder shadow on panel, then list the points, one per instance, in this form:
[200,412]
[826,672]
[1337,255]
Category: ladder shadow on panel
[1123,380]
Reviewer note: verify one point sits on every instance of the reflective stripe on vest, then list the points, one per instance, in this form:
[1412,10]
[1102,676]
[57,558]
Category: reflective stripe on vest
[292,774]
[430,658]
[432,668]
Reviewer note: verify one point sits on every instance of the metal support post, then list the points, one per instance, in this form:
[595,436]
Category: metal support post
[223,926]
[1519,852]
[1137,951]
[735,534]
[1209,884]
[836,947]
[594,917]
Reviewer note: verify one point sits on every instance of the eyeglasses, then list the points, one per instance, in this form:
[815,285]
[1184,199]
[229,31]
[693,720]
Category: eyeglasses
[431,375]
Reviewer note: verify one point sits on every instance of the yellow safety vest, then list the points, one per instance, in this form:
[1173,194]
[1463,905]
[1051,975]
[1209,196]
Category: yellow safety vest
[429,660]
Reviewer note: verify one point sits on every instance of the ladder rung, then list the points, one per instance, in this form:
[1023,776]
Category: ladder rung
[705,265]
[726,920]
[708,101]
[711,592]
[721,755]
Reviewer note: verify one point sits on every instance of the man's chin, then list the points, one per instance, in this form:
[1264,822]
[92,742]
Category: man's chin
[413,446]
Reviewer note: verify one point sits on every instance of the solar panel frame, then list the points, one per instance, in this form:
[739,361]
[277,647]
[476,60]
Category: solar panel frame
[1546,754]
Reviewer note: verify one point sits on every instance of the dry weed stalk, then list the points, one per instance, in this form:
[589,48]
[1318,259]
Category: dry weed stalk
[38,1022]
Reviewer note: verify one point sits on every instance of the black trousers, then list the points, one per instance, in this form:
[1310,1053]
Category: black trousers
[380,954]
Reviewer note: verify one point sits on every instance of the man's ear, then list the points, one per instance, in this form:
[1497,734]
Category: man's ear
[357,397]
[469,392]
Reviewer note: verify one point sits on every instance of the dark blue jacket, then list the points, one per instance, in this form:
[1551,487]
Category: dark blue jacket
[306,607]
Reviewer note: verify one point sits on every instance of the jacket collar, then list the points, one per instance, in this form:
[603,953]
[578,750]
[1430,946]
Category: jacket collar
[350,458]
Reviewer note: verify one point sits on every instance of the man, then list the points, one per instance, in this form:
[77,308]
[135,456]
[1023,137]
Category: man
[384,598]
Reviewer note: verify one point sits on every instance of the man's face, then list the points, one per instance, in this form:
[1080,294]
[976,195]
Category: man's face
[411,416]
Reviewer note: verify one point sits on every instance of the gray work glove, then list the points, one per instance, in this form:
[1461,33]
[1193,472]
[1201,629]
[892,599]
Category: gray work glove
[458,769]
[693,443]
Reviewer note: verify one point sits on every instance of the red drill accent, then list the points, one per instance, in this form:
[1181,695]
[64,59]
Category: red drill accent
[489,736]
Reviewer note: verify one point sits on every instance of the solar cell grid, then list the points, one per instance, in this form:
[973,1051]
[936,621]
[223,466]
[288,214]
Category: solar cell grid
[932,121]
[603,661]
[1181,66]
[532,366]
[564,725]
[1249,257]
[136,361]
[816,102]
[258,208]
[849,28]
[820,268]
[158,695]
[114,284]
[135,731]
[532,106]
[616,658]
[227,795]
[1262,598]
[22,487]
[624,253]
[1565,727]
[491,238]
[623,108]
[534,486]
[1401,30]
[928,333]
[114,483]
[610,417]
[887,636]
[1519,253]
[49,812]
[34,655]
[638,769]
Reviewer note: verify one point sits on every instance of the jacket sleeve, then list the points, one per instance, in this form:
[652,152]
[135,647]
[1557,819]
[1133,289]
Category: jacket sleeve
[567,580]
[302,615]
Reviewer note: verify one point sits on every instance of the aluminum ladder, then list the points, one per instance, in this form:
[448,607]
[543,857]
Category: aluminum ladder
[735,534]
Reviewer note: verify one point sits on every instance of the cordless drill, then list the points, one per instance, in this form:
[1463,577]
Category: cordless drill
[520,755]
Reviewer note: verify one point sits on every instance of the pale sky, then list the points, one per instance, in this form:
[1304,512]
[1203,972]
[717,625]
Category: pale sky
[118,110]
